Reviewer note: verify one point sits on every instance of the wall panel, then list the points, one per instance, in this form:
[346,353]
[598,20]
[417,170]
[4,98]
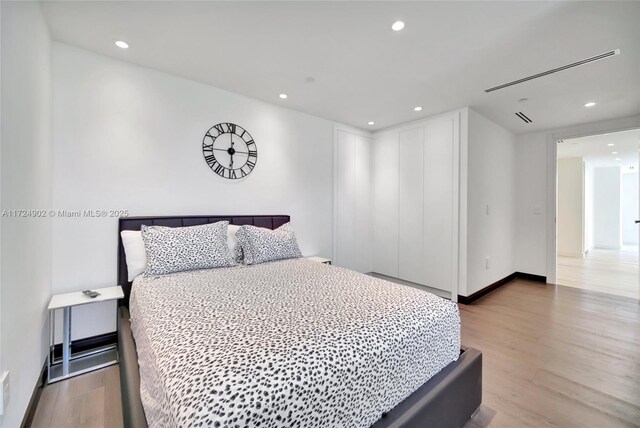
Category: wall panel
[411,264]
[438,203]
[385,204]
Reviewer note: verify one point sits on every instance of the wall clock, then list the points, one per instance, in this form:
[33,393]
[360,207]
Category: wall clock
[229,150]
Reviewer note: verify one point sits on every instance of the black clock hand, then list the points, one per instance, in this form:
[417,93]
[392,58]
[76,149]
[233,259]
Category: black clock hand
[231,152]
[227,150]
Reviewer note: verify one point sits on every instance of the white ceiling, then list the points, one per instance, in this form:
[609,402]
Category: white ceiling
[597,150]
[448,53]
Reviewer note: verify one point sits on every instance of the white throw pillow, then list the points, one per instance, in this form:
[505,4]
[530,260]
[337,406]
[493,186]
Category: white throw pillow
[134,252]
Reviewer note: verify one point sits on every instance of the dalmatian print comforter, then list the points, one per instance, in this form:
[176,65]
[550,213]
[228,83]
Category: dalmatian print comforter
[291,343]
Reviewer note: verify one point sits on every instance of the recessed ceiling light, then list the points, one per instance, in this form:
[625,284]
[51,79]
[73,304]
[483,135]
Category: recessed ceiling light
[417,108]
[617,159]
[614,153]
[590,104]
[397,26]
[283,96]
[121,44]
[611,144]
[371,122]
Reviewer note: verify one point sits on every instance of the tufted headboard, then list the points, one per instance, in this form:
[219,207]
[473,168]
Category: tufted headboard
[134,223]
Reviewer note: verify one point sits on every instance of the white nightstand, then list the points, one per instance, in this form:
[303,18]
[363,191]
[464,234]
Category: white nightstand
[69,365]
[320,259]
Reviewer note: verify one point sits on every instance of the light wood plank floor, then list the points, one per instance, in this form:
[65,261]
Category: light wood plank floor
[553,356]
[557,356]
[606,271]
[89,400]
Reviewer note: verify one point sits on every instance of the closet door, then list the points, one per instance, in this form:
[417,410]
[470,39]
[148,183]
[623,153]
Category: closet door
[345,199]
[385,204]
[411,264]
[362,205]
[438,203]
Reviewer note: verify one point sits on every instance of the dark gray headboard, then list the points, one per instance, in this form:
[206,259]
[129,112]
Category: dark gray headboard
[134,223]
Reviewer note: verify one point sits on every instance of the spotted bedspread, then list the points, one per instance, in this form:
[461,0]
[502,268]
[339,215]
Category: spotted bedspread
[291,343]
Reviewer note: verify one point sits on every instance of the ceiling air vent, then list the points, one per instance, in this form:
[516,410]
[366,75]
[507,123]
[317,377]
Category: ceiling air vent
[524,117]
[555,70]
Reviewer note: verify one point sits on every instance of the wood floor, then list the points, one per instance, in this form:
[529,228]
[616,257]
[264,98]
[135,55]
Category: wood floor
[88,400]
[554,356]
[557,356]
[606,271]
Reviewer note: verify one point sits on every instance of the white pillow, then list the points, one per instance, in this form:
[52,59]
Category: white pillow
[232,242]
[135,254]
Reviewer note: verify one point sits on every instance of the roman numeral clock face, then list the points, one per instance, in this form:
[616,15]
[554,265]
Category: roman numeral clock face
[229,150]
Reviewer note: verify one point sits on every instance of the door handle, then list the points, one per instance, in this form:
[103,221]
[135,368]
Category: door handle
[637,221]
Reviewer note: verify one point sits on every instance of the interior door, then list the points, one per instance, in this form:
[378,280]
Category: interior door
[345,200]
[438,203]
[385,203]
[411,264]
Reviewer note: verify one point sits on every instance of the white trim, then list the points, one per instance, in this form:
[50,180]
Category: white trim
[595,128]
[372,184]
[463,146]
[570,254]
[455,208]
[334,225]
[606,247]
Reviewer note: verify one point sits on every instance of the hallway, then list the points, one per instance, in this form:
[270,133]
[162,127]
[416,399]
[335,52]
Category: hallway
[605,271]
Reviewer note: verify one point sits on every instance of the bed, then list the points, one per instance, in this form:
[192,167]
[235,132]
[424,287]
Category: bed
[288,343]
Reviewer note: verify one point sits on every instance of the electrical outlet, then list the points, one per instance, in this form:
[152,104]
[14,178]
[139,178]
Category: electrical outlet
[486,263]
[4,391]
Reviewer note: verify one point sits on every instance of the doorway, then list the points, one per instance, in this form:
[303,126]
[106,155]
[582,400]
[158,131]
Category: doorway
[597,207]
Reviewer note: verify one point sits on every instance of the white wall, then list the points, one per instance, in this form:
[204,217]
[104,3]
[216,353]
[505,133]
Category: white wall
[26,184]
[570,207]
[606,207]
[490,158]
[588,206]
[127,137]
[535,192]
[629,195]
[531,204]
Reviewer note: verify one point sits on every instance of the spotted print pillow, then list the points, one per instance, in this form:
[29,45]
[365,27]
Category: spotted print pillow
[176,249]
[261,245]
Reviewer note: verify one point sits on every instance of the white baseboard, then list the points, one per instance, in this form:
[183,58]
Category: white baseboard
[607,247]
[570,254]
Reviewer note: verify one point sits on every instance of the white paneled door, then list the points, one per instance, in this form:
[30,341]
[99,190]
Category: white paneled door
[416,191]
[353,236]
[411,263]
[385,204]
[362,253]
[438,203]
